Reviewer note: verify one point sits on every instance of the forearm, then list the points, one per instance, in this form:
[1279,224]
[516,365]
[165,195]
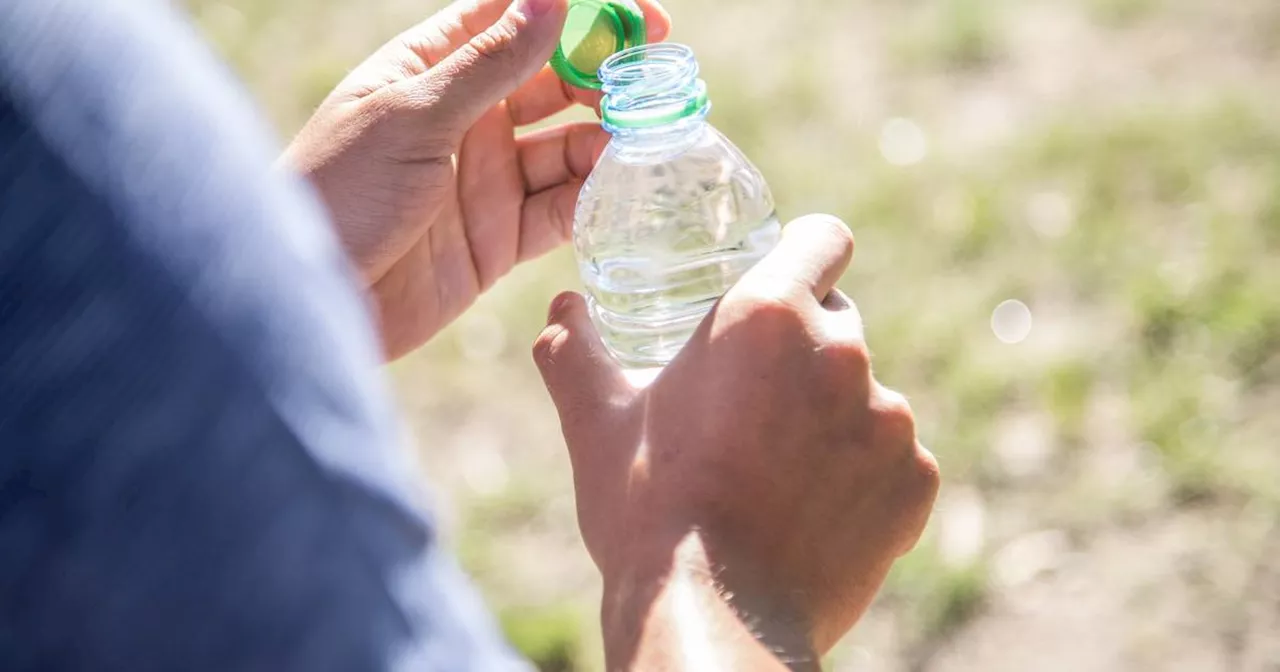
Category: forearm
[669,614]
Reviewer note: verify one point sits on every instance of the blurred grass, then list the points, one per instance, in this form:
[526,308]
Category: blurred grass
[1113,164]
[950,34]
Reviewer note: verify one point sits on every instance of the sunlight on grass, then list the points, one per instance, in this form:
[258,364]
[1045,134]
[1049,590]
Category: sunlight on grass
[1140,225]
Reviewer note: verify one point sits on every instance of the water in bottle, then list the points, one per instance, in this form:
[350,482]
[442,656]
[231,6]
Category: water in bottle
[672,215]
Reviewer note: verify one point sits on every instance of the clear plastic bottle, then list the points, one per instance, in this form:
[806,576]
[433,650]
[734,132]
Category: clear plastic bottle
[672,215]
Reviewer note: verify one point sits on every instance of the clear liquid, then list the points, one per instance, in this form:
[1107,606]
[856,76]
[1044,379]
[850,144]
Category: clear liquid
[671,217]
[647,306]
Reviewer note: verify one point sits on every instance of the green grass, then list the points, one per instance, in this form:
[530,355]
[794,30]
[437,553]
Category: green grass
[550,637]
[1121,13]
[937,598]
[1156,310]
[951,34]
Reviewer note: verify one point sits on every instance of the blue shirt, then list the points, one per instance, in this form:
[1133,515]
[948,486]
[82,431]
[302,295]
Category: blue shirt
[200,467]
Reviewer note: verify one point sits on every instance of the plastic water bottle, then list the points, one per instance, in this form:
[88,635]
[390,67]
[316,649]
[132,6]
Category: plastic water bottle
[672,215]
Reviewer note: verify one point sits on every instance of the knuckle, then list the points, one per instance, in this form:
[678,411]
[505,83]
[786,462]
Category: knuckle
[895,421]
[549,344]
[498,45]
[920,481]
[849,354]
[395,113]
[927,471]
[387,104]
[823,232]
[839,235]
[773,312]
[767,293]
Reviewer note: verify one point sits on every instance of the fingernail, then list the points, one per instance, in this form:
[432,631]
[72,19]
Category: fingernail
[536,8]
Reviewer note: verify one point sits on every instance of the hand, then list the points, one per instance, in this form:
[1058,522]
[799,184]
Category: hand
[415,154]
[767,442]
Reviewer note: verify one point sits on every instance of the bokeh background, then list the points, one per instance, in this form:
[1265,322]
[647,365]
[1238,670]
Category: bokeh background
[1068,220]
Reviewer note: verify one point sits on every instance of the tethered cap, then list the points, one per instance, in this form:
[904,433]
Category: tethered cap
[594,30]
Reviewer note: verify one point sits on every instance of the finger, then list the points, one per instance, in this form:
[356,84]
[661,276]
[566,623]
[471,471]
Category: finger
[583,379]
[814,252]
[657,21]
[546,219]
[842,320]
[895,422]
[441,34]
[546,94]
[556,155]
[836,301]
[492,65]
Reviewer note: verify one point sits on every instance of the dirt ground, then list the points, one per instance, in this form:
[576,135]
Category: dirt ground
[1112,497]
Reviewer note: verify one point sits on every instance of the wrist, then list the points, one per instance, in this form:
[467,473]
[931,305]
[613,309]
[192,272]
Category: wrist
[672,600]
[764,598]
[635,584]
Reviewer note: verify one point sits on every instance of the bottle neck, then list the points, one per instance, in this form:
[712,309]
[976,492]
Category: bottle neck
[653,94]
[671,132]
[659,142]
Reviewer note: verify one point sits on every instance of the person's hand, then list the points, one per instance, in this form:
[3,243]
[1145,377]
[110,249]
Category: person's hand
[416,155]
[767,445]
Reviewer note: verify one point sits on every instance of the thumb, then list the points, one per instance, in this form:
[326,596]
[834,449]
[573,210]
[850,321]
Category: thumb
[583,379]
[494,63]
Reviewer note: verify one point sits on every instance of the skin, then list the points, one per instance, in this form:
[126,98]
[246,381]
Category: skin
[416,154]
[745,506]
[765,466]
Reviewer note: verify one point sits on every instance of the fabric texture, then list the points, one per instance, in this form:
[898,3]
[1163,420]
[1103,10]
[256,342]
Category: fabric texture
[200,464]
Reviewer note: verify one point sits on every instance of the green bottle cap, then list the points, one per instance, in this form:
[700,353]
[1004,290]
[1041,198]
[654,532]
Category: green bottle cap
[593,31]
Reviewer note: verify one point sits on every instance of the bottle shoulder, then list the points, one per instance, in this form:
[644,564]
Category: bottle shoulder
[706,153]
[709,181]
